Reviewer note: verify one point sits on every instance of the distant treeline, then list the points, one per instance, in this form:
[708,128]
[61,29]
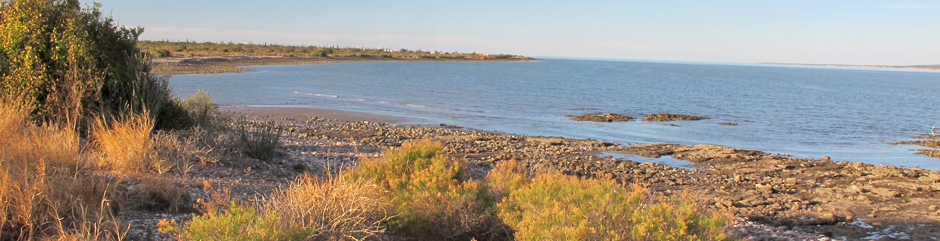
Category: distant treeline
[194,49]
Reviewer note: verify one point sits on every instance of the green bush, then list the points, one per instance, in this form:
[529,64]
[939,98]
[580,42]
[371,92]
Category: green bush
[163,53]
[557,206]
[431,199]
[239,222]
[66,63]
[200,107]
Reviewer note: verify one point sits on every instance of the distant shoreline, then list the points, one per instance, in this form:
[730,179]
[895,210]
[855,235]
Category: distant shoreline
[924,67]
[234,64]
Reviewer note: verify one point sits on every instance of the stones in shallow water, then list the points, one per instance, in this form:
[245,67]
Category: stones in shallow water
[598,117]
[672,117]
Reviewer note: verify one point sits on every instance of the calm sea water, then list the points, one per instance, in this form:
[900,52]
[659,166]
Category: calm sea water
[845,113]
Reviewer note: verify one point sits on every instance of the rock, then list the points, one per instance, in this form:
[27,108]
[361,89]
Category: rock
[672,117]
[790,181]
[597,117]
[932,207]
[765,188]
[885,192]
[825,158]
[738,178]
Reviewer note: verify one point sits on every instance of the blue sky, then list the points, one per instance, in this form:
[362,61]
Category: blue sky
[746,31]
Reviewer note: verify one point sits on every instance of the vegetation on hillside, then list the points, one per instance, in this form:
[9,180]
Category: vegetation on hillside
[209,49]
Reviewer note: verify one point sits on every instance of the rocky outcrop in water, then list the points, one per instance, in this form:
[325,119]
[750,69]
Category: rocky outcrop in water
[598,117]
[671,117]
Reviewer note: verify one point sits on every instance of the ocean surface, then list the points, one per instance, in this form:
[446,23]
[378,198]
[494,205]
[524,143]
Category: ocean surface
[845,113]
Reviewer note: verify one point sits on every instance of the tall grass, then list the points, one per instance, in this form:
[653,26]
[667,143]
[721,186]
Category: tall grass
[125,145]
[43,189]
[331,208]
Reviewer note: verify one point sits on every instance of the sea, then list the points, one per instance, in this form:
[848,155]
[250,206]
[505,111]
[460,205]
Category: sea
[848,114]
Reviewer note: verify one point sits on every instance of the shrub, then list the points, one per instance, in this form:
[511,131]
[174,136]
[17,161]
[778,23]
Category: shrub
[163,53]
[430,198]
[125,146]
[64,62]
[233,222]
[330,209]
[259,140]
[557,206]
[200,107]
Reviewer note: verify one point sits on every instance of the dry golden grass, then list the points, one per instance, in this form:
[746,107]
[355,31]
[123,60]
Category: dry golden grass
[43,190]
[125,145]
[330,209]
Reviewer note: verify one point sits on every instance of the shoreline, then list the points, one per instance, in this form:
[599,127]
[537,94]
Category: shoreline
[915,67]
[795,195]
[236,63]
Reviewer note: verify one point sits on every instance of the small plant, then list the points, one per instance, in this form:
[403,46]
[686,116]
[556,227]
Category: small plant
[200,107]
[258,139]
[331,209]
[431,199]
[234,221]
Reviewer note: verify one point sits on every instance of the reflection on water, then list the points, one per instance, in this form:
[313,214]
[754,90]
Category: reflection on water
[667,160]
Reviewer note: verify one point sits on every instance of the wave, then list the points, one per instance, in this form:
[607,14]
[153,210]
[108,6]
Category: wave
[316,94]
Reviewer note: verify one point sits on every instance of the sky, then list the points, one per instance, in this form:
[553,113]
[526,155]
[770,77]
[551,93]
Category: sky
[874,32]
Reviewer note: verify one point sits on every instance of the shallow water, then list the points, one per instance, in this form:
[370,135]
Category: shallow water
[845,113]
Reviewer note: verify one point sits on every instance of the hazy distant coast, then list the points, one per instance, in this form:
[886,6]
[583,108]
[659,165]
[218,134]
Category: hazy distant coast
[929,67]
[208,58]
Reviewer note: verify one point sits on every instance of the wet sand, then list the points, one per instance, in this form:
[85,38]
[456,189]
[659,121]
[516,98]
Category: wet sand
[293,114]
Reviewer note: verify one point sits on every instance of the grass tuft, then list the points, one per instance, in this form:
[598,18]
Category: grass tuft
[330,209]
[259,140]
[43,189]
[125,145]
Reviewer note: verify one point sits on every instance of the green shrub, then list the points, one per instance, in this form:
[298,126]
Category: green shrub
[238,222]
[163,53]
[431,199]
[557,206]
[259,140]
[200,107]
[68,64]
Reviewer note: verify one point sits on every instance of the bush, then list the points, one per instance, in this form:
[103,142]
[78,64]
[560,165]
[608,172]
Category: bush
[431,199]
[331,209]
[557,206]
[233,222]
[259,140]
[64,63]
[200,107]
[162,53]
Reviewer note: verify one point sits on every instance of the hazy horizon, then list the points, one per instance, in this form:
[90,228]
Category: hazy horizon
[831,32]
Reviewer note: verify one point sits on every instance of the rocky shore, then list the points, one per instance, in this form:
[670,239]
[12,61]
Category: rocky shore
[773,197]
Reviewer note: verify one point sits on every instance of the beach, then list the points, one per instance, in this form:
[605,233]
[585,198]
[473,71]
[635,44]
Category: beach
[786,195]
